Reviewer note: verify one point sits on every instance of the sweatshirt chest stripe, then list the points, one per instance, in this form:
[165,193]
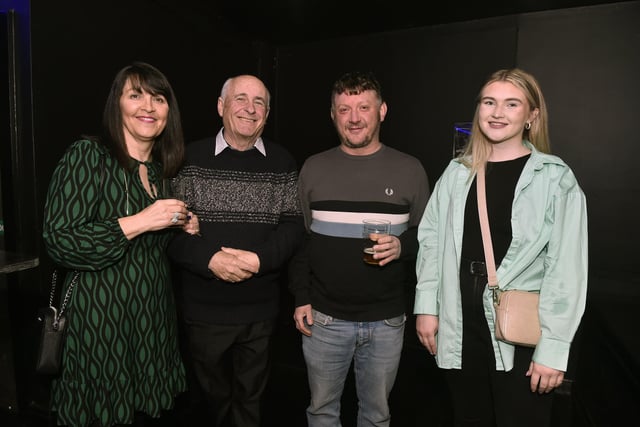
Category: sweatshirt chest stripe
[349,224]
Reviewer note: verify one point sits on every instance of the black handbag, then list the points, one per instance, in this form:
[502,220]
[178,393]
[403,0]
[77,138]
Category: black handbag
[53,323]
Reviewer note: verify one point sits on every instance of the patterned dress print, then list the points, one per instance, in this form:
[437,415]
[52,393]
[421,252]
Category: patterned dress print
[121,353]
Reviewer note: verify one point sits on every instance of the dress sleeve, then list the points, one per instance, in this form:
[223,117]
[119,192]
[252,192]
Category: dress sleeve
[76,233]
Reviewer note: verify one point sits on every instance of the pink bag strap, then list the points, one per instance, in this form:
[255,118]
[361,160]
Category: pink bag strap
[490,262]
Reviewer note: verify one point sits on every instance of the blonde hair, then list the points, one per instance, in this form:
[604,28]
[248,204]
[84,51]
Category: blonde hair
[478,148]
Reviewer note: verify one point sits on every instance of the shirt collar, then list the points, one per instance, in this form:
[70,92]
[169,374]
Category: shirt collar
[221,144]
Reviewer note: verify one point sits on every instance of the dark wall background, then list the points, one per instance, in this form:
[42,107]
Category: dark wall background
[590,76]
[79,46]
[427,78]
[66,55]
[587,60]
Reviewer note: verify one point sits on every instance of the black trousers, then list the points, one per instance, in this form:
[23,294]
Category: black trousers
[231,364]
[481,395]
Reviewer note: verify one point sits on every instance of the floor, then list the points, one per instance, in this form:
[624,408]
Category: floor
[287,394]
[418,397]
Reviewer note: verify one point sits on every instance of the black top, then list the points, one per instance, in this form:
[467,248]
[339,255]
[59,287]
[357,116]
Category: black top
[501,179]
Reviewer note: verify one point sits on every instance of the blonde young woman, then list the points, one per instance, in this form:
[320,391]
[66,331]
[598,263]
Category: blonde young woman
[538,217]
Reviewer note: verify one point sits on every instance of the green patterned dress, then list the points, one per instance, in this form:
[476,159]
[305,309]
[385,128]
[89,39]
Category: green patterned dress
[121,354]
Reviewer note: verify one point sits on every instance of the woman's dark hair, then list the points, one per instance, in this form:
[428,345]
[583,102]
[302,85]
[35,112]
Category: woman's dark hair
[168,148]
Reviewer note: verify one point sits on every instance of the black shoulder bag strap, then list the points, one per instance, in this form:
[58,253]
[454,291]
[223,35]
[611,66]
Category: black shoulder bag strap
[76,273]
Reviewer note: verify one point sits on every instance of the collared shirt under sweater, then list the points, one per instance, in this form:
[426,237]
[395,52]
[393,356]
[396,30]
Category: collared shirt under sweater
[244,200]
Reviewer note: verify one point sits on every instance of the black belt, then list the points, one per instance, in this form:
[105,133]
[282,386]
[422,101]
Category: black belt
[475,268]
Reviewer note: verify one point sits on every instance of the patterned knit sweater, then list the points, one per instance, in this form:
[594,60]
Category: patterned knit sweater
[243,200]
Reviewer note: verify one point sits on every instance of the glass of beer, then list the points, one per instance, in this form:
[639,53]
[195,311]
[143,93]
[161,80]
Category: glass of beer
[372,229]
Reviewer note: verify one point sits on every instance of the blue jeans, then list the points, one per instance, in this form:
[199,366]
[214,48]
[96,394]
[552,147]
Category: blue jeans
[375,349]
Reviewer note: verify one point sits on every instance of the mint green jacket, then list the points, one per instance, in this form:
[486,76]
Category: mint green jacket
[548,253]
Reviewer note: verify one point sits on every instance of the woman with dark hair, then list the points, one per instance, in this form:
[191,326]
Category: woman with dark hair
[109,216]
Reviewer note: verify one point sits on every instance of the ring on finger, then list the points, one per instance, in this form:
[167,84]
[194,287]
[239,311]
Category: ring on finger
[175,217]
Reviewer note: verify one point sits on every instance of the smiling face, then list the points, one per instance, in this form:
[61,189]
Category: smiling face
[357,120]
[503,112]
[244,108]
[144,116]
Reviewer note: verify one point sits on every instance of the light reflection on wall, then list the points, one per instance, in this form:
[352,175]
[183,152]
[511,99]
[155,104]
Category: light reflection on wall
[461,132]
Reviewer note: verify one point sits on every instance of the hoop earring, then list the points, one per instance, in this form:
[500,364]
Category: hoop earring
[527,125]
